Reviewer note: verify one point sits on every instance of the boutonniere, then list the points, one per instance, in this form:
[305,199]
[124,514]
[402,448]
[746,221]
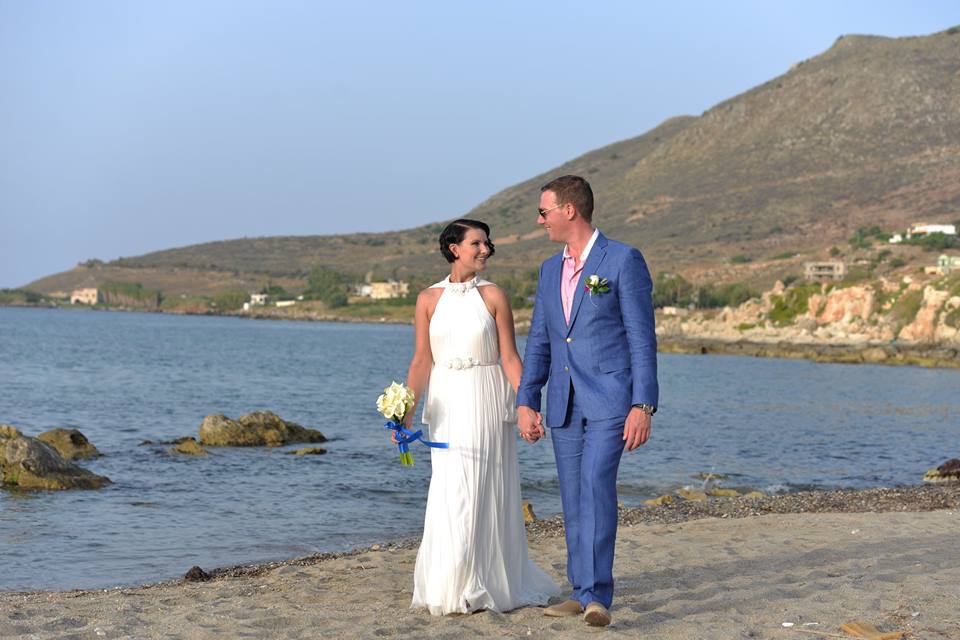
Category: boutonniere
[597,285]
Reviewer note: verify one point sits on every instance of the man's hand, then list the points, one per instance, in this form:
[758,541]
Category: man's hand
[530,424]
[636,430]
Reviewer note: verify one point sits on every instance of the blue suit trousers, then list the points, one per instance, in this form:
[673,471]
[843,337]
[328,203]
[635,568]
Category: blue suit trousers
[588,456]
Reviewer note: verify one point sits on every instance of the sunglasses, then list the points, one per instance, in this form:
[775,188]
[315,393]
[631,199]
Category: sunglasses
[543,212]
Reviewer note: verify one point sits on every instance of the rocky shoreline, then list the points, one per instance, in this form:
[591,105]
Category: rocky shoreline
[922,355]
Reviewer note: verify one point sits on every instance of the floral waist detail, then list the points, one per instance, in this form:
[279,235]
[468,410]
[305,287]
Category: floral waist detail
[465,363]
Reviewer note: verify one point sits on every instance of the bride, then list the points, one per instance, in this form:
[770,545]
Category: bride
[473,554]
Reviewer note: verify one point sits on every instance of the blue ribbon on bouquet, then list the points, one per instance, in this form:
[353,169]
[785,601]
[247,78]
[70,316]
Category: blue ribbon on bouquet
[405,436]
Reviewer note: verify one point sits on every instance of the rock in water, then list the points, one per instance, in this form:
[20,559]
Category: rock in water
[257,429]
[70,443]
[9,431]
[196,574]
[29,463]
[308,451]
[949,471]
[189,447]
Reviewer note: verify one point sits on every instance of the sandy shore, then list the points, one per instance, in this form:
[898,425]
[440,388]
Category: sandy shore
[731,569]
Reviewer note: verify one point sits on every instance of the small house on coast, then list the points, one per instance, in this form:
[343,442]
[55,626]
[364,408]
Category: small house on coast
[389,289]
[86,295]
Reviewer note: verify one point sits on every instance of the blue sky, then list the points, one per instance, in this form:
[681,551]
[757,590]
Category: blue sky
[128,127]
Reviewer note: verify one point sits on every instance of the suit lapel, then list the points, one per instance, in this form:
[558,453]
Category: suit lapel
[597,254]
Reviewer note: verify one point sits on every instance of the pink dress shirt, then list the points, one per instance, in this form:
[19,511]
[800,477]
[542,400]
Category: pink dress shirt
[571,274]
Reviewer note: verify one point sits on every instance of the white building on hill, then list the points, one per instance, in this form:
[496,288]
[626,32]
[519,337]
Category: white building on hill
[89,295]
[921,229]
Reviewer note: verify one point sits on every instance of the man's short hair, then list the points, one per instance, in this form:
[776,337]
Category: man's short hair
[573,190]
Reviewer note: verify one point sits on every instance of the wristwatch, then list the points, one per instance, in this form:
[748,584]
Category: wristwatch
[648,409]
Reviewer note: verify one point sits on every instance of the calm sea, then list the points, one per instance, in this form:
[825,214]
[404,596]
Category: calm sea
[121,378]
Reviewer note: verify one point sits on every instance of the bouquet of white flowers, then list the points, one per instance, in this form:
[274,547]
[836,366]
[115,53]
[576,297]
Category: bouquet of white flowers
[394,403]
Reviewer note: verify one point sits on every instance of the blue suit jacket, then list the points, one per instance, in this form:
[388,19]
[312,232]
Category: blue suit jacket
[609,349]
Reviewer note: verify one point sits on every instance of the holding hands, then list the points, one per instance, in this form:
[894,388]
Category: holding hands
[530,423]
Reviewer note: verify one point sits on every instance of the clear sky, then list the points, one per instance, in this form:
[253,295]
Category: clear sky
[128,127]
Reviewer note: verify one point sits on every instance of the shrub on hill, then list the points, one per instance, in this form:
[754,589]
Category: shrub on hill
[328,286]
[230,300]
[19,296]
[905,309]
[676,291]
[786,255]
[728,295]
[865,236]
[130,294]
[935,242]
[520,289]
[672,291]
[792,303]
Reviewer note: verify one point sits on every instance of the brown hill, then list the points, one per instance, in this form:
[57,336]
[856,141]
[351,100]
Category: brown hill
[867,133]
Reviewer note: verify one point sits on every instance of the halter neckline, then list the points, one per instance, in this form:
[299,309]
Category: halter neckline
[461,287]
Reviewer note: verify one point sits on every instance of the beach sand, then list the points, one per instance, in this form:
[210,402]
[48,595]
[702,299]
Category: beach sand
[735,576]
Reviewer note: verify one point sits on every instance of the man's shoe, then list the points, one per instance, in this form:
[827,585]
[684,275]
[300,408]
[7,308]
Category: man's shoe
[564,609]
[597,615]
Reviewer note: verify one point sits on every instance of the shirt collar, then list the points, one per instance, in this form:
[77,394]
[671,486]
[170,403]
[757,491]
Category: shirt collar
[586,250]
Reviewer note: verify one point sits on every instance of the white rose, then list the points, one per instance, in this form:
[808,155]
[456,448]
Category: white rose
[594,280]
[383,406]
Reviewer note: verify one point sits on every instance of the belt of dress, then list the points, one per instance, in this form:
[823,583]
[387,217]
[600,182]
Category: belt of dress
[466,363]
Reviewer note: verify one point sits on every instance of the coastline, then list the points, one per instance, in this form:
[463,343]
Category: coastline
[727,568]
[890,353]
[922,354]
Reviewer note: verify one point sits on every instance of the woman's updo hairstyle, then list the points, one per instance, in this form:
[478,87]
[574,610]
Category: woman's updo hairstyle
[455,232]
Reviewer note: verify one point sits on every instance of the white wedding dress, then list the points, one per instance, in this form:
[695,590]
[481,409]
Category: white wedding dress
[473,554]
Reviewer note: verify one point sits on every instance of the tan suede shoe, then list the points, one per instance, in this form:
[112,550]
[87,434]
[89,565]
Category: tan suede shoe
[596,615]
[564,609]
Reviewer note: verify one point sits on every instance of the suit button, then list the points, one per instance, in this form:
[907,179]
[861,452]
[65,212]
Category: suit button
[569,340]
[566,368]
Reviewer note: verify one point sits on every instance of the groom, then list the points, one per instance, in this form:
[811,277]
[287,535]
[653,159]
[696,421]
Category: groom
[592,336]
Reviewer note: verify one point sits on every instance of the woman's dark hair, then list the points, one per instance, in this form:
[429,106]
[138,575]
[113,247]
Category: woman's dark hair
[454,233]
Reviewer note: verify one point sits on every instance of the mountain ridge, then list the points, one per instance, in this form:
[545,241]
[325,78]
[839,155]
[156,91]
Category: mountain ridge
[861,134]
